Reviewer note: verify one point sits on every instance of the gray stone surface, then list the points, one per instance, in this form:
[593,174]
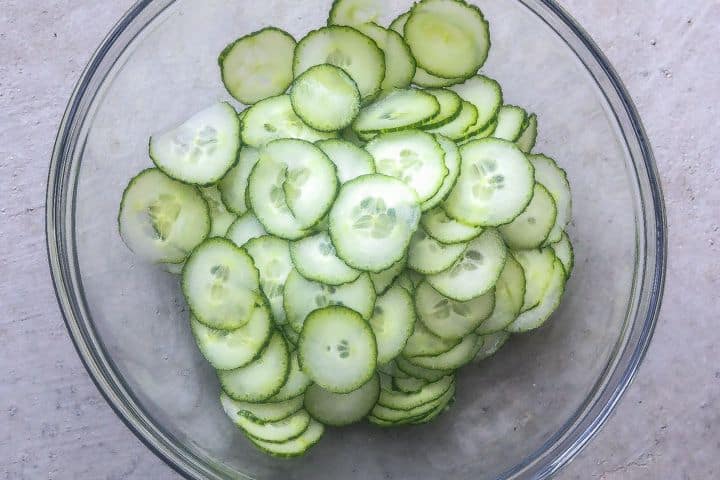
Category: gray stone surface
[55,425]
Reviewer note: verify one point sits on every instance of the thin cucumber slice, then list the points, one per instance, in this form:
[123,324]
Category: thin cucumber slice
[509,298]
[554,179]
[564,252]
[531,228]
[275,432]
[448,318]
[392,322]
[258,65]
[302,296]
[484,133]
[274,118]
[398,24]
[408,384]
[399,62]
[337,349]
[457,357]
[245,228]
[155,212]
[536,316]
[490,345]
[220,284]
[414,157]
[271,256]
[485,94]
[408,401]
[261,379]
[511,121]
[404,281]
[220,217]
[340,409]
[295,447]
[446,230]
[382,280]
[372,220]
[424,342]
[314,257]
[460,125]
[296,384]
[419,372]
[450,106]
[325,97]
[526,142]
[350,160]
[452,163]
[444,404]
[495,184]
[354,12]
[233,185]
[538,268]
[290,335]
[428,256]
[476,271]
[201,149]
[229,349]
[346,48]
[260,412]
[390,369]
[415,277]
[401,417]
[399,109]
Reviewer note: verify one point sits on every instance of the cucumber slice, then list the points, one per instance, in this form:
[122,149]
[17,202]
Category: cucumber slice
[450,106]
[526,142]
[233,185]
[201,149]
[414,157]
[443,404]
[536,316]
[350,160]
[303,296]
[354,12]
[273,119]
[245,228]
[340,409]
[509,298]
[399,62]
[444,229]
[372,220]
[260,412]
[346,48]
[295,447]
[484,133]
[349,135]
[416,414]
[424,342]
[485,94]
[399,109]
[382,280]
[392,322]
[155,211]
[398,24]
[490,345]
[258,65]
[227,350]
[476,271]
[554,179]
[337,349]
[428,256]
[220,284]
[448,318]
[290,335]
[220,217]
[460,125]
[452,163]
[511,121]
[419,372]
[261,379]
[538,268]
[408,384]
[564,252]
[531,228]
[291,187]
[314,257]
[404,281]
[325,97]
[407,401]
[271,257]
[457,357]
[390,369]
[296,384]
[495,184]
[275,432]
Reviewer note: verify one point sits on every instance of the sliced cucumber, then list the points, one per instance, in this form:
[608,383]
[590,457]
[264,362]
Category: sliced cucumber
[408,384]
[419,372]
[398,24]
[456,357]
[452,163]
[424,342]
[295,447]
[339,409]
[350,160]
[490,345]
[392,322]
[414,415]
[346,48]
[201,149]
[476,271]
[354,12]
[536,316]
[509,298]
[428,256]
[526,142]
[245,228]
[337,349]
[511,121]
[314,257]
[154,216]
[271,257]
[262,378]
[260,412]
[382,280]
[554,179]
[448,318]
[564,252]
[221,284]
[460,125]
[390,369]
[485,94]
[531,228]
[495,184]
[233,185]
[477,135]
[450,106]
[399,62]
[446,230]
[220,217]
[399,109]
[275,432]
[325,97]
[296,384]
[291,336]
[372,220]
[404,281]
[443,404]
[538,268]
[407,401]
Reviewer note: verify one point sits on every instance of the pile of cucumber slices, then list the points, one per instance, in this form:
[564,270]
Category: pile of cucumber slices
[372,221]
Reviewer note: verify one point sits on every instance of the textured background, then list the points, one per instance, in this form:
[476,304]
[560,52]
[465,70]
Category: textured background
[55,425]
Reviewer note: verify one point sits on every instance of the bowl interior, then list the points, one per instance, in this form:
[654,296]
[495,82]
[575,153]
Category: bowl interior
[509,408]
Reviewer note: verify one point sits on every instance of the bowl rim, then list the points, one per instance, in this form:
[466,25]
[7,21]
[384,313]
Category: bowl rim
[556,452]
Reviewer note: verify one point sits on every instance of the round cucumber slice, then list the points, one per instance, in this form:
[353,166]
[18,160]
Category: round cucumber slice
[340,409]
[271,256]
[392,322]
[220,217]
[408,401]
[554,179]
[354,12]
[477,135]
[428,256]
[399,62]
[448,318]
[460,125]
[450,106]
[538,267]
[424,342]
[509,298]
[296,384]
[245,228]
[446,230]
[511,121]
[419,372]
[458,356]
[275,432]
[233,185]
[315,258]
[295,447]
[382,280]
[538,315]
[531,228]
[260,412]
[486,95]
[350,160]
[399,109]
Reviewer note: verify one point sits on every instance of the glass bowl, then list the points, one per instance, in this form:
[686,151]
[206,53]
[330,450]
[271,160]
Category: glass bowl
[522,414]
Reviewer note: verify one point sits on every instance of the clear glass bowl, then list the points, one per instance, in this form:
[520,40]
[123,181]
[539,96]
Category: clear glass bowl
[522,414]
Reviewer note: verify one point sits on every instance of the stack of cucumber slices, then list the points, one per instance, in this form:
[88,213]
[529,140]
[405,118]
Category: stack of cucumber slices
[373,221]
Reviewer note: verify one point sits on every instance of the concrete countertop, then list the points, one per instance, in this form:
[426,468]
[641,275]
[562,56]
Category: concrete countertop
[53,422]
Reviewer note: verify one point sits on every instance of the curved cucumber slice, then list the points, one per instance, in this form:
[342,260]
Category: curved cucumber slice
[339,409]
[538,268]
[244,229]
[337,349]
[398,24]
[397,110]
[564,252]
[275,432]
[536,316]
[452,163]
[428,256]
[408,384]
[350,160]
[484,133]
[271,257]
[201,149]
[399,62]
[372,220]
[448,318]
[346,48]
[382,280]
[531,228]
[526,142]
[325,97]
[220,284]
[509,298]
[446,230]
[476,271]
[295,447]
[314,257]
[554,179]
[424,342]
[354,12]
[443,404]
[457,357]
[485,94]
[450,106]
[233,185]
[393,321]
[154,213]
[419,372]
[220,217]
[495,184]
[511,121]
[260,412]
[404,281]
[460,125]
[296,384]
[408,401]
[490,345]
